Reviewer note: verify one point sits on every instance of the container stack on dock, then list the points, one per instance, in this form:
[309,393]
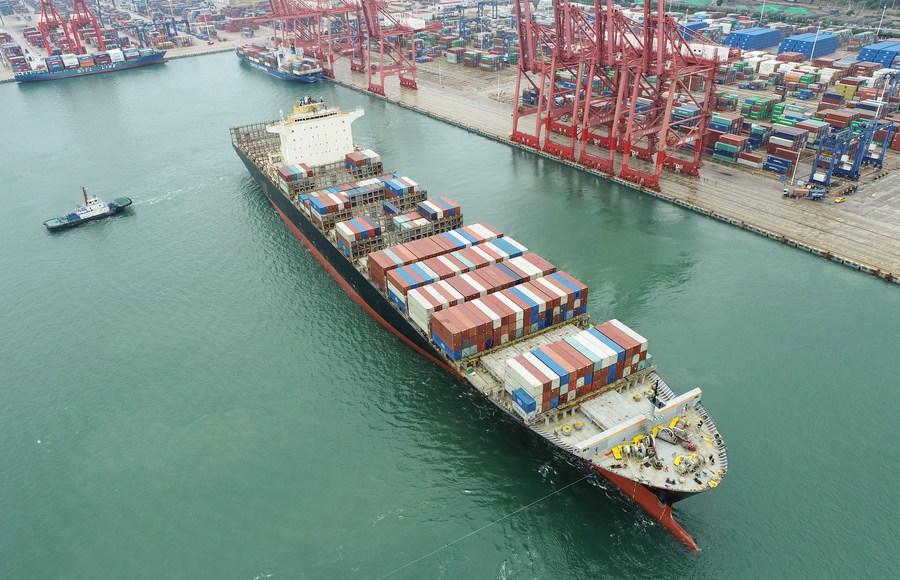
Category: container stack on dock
[784,149]
[810,45]
[754,38]
[884,53]
[564,370]
[12,53]
[757,108]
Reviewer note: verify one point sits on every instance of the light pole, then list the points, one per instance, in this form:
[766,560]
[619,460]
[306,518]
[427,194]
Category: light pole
[762,13]
[796,166]
[883,9]
[812,52]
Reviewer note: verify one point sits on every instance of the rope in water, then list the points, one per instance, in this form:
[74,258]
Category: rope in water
[484,527]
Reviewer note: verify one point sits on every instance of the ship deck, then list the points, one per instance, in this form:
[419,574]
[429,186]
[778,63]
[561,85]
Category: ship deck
[597,413]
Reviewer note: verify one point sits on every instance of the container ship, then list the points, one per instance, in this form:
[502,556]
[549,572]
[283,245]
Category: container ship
[283,63]
[485,308]
[66,66]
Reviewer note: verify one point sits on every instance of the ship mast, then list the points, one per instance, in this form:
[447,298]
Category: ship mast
[84,191]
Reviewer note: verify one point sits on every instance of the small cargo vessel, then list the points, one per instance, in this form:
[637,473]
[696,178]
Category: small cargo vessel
[93,209]
[488,310]
[66,66]
[283,63]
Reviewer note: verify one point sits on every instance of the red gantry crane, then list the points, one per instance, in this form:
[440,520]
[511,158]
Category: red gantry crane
[622,96]
[392,57]
[51,22]
[300,27]
[322,29]
[81,20]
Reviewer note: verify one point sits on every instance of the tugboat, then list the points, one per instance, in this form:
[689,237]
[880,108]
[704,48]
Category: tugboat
[92,209]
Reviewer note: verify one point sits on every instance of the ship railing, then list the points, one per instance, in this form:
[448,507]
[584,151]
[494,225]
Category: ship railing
[255,141]
[433,228]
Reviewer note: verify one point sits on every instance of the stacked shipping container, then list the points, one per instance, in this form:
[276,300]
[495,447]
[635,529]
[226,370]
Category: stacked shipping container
[811,45]
[424,301]
[494,319]
[404,278]
[567,369]
[754,38]
[380,263]
[358,236]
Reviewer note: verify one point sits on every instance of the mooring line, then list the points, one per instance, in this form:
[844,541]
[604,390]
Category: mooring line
[484,527]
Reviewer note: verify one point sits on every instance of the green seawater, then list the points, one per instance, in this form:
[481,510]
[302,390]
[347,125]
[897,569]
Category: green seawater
[186,393]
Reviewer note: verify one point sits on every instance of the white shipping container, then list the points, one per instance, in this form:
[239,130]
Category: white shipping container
[486,234]
[542,306]
[115,55]
[586,351]
[516,245]
[515,308]
[609,355]
[627,330]
[446,288]
[549,375]
[495,318]
[343,229]
[419,309]
[552,288]
[450,264]
[518,376]
[482,291]
[485,255]
[767,66]
[490,247]
[527,267]
[462,240]
[782,142]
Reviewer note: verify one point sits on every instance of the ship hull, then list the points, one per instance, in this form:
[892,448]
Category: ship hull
[310,78]
[30,77]
[376,304]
